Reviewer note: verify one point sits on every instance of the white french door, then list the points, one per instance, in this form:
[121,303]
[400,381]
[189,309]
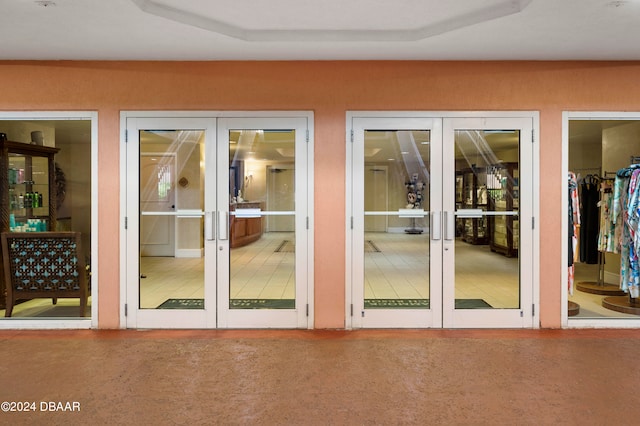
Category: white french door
[264,283]
[454,252]
[225,268]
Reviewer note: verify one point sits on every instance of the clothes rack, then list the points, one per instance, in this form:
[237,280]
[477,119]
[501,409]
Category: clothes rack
[630,303]
[599,286]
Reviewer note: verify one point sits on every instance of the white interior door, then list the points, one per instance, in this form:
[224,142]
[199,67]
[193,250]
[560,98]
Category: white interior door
[454,253]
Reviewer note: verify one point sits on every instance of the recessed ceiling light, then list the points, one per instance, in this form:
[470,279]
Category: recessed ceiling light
[45,3]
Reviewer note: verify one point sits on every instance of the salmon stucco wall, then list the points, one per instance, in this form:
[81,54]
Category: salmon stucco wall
[330,89]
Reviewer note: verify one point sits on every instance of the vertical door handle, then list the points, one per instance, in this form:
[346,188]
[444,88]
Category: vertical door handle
[209,226]
[449,225]
[223,225]
[436,225]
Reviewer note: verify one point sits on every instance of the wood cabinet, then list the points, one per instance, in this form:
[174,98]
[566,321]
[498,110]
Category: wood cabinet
[474,196]
[27,189]
[245,230]
[503,196]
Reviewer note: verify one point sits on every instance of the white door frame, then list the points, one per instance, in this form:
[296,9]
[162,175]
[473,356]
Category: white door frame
[565,320]
[209,318]
[165,318]
[521,317]
[81,322]
[352,249]
[380,318]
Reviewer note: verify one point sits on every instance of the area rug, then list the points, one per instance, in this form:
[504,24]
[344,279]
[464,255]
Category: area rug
[233,304]
[262,304]
[287,246]
[421,304]
[182,304]
[472,304]
[396,303]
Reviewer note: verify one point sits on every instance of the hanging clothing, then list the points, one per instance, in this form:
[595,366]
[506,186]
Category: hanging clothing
[590,219]
[631,222]
[606,234]
[572,229]
[624,203]
[620,189]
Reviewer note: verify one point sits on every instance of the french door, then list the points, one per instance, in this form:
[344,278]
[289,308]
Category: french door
[216,234]
[439,208]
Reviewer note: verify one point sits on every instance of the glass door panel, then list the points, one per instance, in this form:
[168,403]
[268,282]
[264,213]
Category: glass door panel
[171,225]
[488,217]
[396,243]
[262,219]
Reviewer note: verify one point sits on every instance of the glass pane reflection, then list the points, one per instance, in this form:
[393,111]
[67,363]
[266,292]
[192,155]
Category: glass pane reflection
[396,248]
[262,219]
[171,244]
[487,182]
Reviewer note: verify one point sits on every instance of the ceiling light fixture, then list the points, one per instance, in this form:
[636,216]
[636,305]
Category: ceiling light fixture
[45,3]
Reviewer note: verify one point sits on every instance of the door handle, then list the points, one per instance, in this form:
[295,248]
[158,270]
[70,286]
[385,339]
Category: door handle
[449,226]
[223,225]
[436,225]
[209,226]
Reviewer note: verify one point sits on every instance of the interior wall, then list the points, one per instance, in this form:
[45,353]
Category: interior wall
[188,237]
[329,88]
[20,131]
[75,211]
[586,158]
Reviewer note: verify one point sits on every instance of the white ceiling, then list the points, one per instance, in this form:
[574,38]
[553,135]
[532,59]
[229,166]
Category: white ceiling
[320,29]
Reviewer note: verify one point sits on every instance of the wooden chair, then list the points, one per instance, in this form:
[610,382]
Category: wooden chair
[44,265]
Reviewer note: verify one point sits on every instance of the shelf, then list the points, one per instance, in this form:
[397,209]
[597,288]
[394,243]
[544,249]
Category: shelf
[503,230]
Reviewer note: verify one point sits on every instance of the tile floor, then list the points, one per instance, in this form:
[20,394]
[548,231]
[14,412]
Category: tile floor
[398,271]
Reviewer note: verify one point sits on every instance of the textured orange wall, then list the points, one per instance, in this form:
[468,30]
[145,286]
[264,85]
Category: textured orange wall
[329,89]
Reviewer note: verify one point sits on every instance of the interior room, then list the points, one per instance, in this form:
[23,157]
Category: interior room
[261,172]
[599,150]
[48,164]
[398,191]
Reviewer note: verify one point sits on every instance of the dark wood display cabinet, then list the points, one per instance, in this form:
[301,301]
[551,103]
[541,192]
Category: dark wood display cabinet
[503,196]
[474,196]
[27,190]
